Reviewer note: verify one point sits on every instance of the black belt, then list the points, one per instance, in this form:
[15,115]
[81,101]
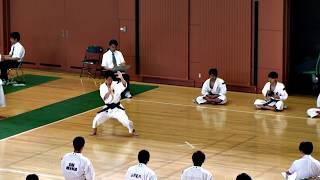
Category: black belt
[111,106]
[270,101]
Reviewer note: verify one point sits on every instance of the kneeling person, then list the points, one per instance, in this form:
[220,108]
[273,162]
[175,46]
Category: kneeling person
[275,94]
[213,91]
[110,92]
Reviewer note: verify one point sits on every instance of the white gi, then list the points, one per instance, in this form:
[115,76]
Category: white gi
[140,171]
[279,90]
[306,167]
[196,173]
[2,98]
[313,112]
[75,166]
[218,88]
[116,113]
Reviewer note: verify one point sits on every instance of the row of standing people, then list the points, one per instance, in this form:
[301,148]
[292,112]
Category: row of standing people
[74,165]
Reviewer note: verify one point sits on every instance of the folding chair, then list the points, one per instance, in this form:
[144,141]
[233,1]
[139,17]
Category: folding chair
[18,74]
[91,61]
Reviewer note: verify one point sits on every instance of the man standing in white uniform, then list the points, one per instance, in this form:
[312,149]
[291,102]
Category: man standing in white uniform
[114,58]
[275,94]
[196,172]
[213,91]
[110,92]
[75,166]
[141,171]
[313,112]
[305,167]
[14,58]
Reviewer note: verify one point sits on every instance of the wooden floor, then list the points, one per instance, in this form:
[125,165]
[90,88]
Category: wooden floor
[236,138]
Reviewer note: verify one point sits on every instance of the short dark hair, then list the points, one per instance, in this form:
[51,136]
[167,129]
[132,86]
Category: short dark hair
[273,75]
[108,74]
[213,71]
[243,176]
[113,42]
[78,143]
[32,177]
[15,36]
[198,158]
[306,147]
[144,156]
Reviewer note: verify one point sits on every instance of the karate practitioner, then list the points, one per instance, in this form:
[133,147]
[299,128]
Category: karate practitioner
[306,167]
[313,112]
[110,92]
[196,171]
[75,166]
[141,171]
[275,94]
[213,91]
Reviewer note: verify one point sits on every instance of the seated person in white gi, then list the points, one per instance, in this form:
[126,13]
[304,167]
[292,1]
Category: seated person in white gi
[305,167]
[114,58]
[313,112]
[275,94]
[141,171]
[75,166]
[14,58]
[213,91]
[243,176]
[196,171]
[110,92]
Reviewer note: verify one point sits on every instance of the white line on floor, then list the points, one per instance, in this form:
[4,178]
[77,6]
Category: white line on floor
[25,173]
[220,109]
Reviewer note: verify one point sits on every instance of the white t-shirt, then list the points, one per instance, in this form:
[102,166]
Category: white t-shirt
[305,167]
[75,166]
[219,87]
[140,172]
[107,60]
[116,87]
[196,173]
[17,51]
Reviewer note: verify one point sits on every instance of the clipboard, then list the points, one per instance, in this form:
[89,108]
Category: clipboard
[121,68]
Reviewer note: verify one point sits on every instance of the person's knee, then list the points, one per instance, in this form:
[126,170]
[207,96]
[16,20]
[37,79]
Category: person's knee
[279,105]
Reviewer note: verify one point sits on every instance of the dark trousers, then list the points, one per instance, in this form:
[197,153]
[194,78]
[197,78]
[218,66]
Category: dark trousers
[5,65]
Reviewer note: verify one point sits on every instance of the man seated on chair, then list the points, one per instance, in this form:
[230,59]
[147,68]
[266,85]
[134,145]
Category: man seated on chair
[275,94]
[14,58]
[113,59]
[213,91]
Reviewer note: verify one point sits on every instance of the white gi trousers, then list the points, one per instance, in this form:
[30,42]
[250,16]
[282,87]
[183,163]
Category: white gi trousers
[201,100]
[278,104]
[313,112]
[115,113]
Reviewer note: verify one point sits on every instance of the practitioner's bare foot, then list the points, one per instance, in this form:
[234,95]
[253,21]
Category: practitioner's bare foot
[94,132]
[134,133]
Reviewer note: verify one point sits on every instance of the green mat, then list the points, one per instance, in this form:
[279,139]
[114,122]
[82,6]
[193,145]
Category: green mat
[57,111]
[31,80]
